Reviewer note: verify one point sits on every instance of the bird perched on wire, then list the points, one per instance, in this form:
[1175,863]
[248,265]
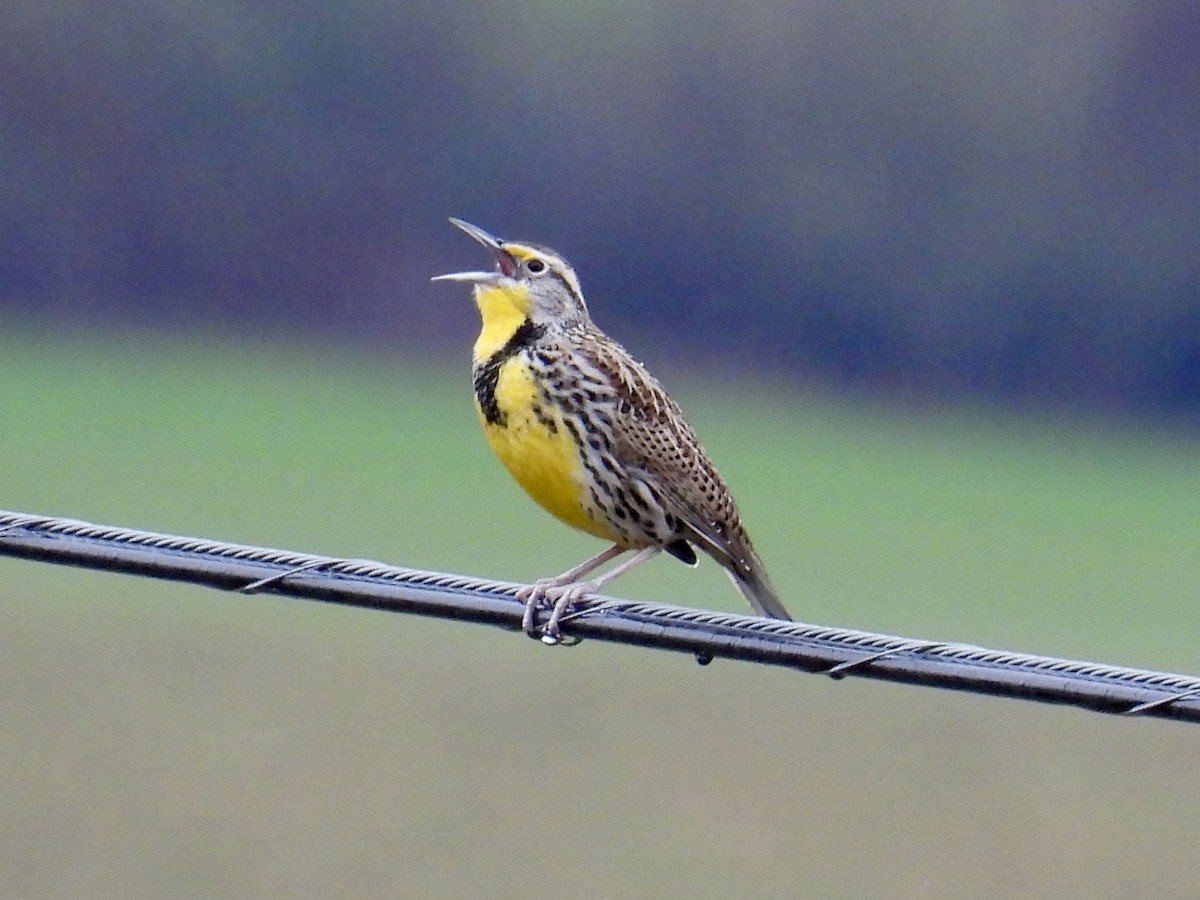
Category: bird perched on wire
[592,436]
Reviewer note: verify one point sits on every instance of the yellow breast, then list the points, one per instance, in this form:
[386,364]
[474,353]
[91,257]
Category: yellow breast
[538,451]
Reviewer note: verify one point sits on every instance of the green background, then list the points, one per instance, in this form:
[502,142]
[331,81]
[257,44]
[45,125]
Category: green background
[923,276]
[163,740]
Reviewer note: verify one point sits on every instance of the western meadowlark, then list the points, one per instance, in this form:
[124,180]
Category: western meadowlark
[592,436]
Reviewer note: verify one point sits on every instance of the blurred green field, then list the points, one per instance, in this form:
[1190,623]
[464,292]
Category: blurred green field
[161,740]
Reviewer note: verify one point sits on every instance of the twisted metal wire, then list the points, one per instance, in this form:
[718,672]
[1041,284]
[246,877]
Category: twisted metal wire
[837,652]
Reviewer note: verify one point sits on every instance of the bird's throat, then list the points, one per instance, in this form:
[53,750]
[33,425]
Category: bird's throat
[504,310]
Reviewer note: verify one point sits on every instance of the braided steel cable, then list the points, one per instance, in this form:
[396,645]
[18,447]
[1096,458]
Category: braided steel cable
[837,652]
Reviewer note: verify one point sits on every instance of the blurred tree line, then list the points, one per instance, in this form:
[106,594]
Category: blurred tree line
[993,199]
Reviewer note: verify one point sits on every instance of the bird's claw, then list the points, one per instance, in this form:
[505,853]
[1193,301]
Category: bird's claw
[559,597]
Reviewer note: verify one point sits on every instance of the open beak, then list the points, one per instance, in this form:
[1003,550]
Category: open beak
[505,265]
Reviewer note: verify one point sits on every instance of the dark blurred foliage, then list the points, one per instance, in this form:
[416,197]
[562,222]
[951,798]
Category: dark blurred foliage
[991,199]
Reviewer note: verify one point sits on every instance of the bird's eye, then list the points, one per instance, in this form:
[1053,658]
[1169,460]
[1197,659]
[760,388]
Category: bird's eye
[535,266]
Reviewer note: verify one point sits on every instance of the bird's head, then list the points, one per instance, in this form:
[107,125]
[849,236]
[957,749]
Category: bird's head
[531,281]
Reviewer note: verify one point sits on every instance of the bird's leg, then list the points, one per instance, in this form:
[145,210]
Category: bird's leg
[532,595]
[572,575]
[565,595]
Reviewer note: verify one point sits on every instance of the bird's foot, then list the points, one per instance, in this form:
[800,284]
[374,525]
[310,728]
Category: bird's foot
[535,596]
[559,597]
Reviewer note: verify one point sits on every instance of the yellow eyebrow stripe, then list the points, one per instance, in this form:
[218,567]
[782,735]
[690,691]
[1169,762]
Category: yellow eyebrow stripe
[520,251]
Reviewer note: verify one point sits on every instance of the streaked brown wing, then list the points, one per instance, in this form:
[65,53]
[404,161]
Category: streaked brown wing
[655,442]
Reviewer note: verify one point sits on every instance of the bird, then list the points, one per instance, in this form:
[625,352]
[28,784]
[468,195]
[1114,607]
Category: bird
[592,436]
